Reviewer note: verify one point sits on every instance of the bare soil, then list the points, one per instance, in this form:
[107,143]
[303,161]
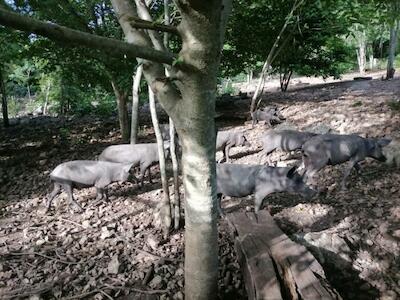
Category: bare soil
[114,251]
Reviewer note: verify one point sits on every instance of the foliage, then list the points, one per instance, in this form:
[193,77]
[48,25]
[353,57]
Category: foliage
[317,42]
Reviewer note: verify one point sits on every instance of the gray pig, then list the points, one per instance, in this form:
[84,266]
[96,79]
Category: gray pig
[242,180]
[270,115]
[143,155]
[230,138]
[286,140]
[334,149]
[86,173]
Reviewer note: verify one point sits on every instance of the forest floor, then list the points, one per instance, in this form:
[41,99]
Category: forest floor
[113,249]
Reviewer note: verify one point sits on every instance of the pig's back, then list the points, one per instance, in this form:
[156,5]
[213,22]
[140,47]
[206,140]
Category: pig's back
[84,172]
[236,180]
[128,153]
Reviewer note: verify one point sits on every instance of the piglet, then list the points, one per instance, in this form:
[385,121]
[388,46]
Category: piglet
[86,173]
[237,180]
[286,140]
[270,115]
[230,138]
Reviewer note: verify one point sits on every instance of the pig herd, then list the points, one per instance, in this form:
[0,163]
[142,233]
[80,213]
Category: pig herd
[235,180]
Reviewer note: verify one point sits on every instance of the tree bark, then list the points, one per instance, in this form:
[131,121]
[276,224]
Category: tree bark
[165,207]
[135,104]
[284,77]
[392,50]
[122,100]
[4,103]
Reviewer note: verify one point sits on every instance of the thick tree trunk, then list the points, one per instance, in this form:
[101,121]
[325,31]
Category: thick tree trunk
[392,50]
[4,104]
[192,108]
[165,207]
[135,104]
[123,118]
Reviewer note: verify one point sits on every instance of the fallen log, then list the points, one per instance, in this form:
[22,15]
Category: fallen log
[274,266]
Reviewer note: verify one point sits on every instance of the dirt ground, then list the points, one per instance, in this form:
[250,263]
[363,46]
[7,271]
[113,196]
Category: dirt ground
[113,249]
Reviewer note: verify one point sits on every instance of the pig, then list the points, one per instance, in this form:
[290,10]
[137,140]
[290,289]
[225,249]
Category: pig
[270,115]
[242,180]
[86,173]
[230,138]
[286,140]
[164,128]
[334,149]
[143,155]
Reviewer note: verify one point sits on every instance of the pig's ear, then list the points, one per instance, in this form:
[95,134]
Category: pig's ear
[383,142]
[291,172]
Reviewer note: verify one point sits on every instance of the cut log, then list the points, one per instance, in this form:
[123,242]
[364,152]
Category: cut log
[274,266]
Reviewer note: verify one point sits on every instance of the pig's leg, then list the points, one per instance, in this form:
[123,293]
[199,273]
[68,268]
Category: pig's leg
[142,172]
[55,192]
[347,173]
[261,192]
[228,160]
[149,174]
[99,193]
[221,212]
[312,167]
[68,189]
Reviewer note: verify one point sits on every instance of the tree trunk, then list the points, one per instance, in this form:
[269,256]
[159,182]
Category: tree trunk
[176,202]
[392,50]
[4,103]
[192,108]
[361,55]
[175,168]
[46,103]
[135,104]
[284,77]
[165,208]
[274,51]
[123,118]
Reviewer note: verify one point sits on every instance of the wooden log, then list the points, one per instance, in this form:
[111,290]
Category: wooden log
[274,266]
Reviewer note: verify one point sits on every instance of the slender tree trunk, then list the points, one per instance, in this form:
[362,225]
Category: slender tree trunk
[274,51]
[361,53]
[135,104]
[175,168]
[284,77]
[46,103]
[176,202]
[165,208]
[4,103]
[123,118]
[392,50]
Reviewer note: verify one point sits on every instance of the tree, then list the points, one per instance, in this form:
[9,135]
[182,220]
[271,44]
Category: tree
[393,8]
[135,104]
[188,96]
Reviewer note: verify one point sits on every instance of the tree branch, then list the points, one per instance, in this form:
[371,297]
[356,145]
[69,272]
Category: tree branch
[66,35]
[143,24]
